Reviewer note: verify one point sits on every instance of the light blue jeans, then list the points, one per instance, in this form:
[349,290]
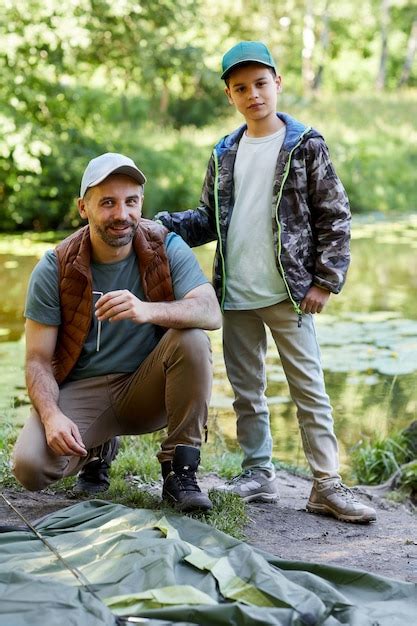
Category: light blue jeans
[245,345]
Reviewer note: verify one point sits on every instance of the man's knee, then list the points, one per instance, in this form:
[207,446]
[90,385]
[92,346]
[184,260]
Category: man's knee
[30,472]
[191,341]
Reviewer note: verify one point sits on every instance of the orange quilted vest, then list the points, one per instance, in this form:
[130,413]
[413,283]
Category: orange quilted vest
[75,287]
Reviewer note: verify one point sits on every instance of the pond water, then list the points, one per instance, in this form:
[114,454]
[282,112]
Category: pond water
[368,337]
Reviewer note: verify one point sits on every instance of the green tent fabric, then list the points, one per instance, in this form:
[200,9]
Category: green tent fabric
[176,570]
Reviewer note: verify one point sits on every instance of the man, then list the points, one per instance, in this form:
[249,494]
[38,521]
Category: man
[114,342]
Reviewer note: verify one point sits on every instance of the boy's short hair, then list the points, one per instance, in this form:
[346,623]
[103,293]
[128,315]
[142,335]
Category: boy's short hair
[246,52]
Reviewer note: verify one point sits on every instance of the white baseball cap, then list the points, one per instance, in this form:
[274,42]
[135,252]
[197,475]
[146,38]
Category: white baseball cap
[109,163]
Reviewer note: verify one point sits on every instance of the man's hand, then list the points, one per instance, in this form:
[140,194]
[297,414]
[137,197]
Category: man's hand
[315,300]
[197,309]
[121,305]
[63,436]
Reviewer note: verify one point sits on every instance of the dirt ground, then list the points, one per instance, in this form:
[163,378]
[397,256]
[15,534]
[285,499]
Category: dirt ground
[387,547]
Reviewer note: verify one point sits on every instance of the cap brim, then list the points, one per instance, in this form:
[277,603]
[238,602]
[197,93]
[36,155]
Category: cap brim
[234,65]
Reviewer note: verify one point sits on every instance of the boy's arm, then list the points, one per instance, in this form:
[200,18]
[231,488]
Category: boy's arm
[195,226]
[330,213]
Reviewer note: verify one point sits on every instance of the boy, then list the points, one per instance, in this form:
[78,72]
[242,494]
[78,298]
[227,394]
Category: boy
[281,218]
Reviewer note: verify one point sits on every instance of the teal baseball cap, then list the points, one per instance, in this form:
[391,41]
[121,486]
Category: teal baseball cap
[244,52]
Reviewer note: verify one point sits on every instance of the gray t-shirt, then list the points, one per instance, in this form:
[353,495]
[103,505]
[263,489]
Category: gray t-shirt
[124,344]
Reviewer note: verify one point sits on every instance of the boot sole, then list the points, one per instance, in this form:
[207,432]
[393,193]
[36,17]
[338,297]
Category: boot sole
[185,507]
[260,497]
[88,490]
[254,497]
[322,509]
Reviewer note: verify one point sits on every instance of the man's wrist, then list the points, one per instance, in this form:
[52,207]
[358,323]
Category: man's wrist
[48,415]
[145,313]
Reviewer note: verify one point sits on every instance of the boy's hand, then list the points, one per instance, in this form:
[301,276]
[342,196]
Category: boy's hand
[315,300]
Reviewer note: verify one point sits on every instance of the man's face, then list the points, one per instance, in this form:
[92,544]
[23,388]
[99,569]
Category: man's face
[253,90]
[113,209]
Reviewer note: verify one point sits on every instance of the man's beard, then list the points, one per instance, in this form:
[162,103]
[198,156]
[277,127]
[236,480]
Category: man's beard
[114,240]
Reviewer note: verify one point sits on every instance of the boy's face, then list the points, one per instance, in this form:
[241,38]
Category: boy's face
[253,90]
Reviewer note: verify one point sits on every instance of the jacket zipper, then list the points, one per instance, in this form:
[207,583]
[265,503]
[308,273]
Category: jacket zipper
[286,172]
[217,213]
[219,235]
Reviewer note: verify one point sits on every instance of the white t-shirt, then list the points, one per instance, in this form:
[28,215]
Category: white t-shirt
[252,277]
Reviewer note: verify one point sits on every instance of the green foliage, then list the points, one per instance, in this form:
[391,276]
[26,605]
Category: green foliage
[409,477]
[376,461]
[91,76]
[122,492]
[217,458]
[228,514]
[8,435]
[137,458]
[374,157]
[375,160]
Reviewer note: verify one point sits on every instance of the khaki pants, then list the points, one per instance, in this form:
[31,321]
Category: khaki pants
[171,388]
[245,343]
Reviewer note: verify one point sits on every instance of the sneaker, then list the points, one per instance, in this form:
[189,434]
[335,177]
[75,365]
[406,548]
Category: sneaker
[180,486]
[338,500]
[253,485]
[94,476]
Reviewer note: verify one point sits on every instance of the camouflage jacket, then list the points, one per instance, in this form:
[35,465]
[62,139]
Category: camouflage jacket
[310,212]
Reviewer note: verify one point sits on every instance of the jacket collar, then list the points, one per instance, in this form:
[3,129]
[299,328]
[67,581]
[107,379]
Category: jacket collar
[293,133]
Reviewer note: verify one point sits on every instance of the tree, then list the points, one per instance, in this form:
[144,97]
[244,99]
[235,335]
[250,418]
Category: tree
[409,58]
[309,41]
[86,76]
[324,43]
[384,25]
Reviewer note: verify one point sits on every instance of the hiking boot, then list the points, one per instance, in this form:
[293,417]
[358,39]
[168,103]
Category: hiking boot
[253,485]
[180,486]
[94,476]
[336,499]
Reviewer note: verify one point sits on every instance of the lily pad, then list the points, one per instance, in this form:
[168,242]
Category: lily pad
[383,343]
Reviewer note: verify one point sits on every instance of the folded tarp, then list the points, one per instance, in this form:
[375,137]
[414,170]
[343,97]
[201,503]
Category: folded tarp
[176,570]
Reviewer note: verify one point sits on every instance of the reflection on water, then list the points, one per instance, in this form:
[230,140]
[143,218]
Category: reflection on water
[14,272]
[369,360]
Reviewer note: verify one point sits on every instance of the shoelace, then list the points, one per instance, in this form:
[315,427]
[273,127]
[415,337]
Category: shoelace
[246,474]
[187,479]
[345,491]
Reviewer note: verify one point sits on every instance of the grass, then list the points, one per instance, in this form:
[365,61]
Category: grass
[8,434]
[375,461]
[135,479]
